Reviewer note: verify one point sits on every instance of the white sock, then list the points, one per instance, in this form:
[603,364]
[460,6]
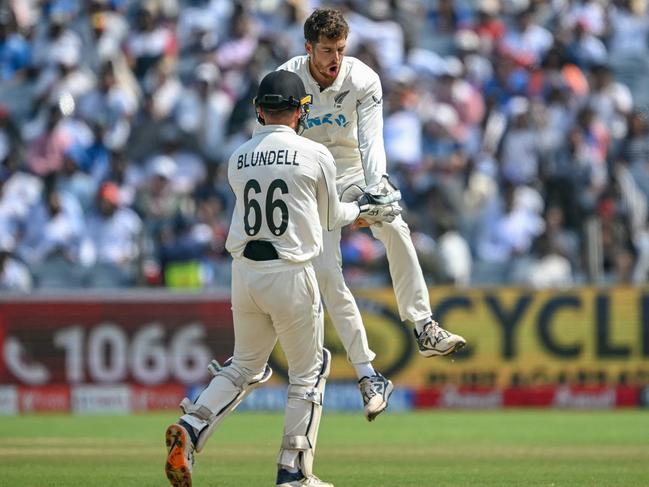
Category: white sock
[421,324]
[364,370]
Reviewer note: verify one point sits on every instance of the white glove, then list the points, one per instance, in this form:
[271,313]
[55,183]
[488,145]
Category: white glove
[372,214]
[377,203]
[377,207]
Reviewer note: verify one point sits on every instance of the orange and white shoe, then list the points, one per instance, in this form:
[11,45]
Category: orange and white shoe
[180,456]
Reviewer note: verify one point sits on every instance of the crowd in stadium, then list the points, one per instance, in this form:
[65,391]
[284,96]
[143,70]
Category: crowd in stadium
[517,131]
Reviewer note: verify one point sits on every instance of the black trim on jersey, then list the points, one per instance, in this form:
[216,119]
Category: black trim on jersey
[358,137]
[324,176]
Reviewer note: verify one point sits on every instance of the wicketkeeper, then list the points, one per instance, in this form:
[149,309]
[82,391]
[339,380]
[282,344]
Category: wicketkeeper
[285,196]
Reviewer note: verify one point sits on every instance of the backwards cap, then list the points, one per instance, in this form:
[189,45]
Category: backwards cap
[281,90]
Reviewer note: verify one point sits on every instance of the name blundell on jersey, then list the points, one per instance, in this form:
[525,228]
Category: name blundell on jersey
[268,158]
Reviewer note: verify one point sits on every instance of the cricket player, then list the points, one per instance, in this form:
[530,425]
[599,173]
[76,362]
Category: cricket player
[347,117]
[285,196]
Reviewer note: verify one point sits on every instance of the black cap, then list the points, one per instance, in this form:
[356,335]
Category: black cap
[280,90]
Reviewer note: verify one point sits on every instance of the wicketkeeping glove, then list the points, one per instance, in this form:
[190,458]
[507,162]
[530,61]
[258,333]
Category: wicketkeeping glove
[375,214]
[379,203]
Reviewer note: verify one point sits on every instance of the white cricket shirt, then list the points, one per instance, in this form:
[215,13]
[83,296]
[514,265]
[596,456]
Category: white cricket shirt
[347,117]
[285,193]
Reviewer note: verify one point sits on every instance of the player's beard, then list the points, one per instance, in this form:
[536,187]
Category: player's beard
[328,72]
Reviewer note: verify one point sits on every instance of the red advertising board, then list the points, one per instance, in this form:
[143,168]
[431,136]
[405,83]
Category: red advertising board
[141,351]
[139,339]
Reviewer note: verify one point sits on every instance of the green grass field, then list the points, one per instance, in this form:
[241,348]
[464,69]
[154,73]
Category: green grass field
[512,448]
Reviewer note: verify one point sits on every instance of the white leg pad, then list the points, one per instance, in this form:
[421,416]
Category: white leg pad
[210,418]
[303,413]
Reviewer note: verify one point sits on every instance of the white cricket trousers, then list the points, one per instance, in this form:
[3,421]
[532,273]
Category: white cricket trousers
[274,300]
[407,279]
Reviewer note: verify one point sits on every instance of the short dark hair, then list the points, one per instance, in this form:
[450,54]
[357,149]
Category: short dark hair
[325,22]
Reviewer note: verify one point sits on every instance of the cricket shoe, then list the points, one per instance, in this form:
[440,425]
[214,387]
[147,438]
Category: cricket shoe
[297,479]
[180,456]
[376,391]
[435,340]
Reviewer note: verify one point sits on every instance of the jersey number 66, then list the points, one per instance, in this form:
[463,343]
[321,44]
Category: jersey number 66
[252,209]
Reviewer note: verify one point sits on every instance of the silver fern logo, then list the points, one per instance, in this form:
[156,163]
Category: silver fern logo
[338,99]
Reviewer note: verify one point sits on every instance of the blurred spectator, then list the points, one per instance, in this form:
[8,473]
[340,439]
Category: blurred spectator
[447,18]
[15,51]
[212,211]
[527,41]
[19,192]
[558,239]
[149,41]
[63,73]
[519,153]
[445,158]
[610,100]
[467,101]
[489,26]
[190,169]
[185,247]
[110,105]
[634,151]
[592,144]
[199,25]
[73,181]
[164,87]
[55,42]
[126,175]
[629,28]
[617,244]
[515,129]
[452,254]
[585,48]
[157,202]
[238,48]
[627,43]
[377,31]
[46,151]
[14,275]
[402,128]
[113,238]
[549,269]
[146,127]
[589,14]
[108,31]
[509,226]
[52,238]
[204,110]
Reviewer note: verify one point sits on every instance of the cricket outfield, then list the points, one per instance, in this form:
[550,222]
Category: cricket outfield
[440,448]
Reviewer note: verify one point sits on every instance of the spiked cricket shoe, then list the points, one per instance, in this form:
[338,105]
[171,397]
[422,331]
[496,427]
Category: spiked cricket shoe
[435,340]
[180,456]
[288,479]
[376,391]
